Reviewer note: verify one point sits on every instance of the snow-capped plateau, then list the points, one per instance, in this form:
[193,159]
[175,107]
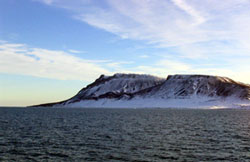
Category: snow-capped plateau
[146,91]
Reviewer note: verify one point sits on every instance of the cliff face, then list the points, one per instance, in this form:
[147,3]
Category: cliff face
[129,90]
[186,86]
[116,86]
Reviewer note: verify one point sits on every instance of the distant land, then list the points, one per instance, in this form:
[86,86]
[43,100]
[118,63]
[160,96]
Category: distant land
[147,91]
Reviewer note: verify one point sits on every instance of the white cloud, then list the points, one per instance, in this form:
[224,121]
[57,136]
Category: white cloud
[75,51]
[168,23]
[162,71]
[144,56]
[190,10]
[21,59]
[48,2]
[172,65]
[208,31]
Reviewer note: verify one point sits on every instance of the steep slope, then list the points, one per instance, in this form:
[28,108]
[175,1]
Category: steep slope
[132,90]
[119,83]
[187,86]
[114,86]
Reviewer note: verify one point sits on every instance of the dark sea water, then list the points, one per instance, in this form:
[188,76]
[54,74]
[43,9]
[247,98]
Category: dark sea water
[46,134]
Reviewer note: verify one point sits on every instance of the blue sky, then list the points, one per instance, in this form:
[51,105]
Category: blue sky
[50,49]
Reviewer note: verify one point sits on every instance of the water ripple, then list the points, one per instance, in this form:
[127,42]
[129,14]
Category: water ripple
[124,135]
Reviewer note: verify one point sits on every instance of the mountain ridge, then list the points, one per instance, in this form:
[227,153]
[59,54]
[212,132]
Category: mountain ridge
[129,89]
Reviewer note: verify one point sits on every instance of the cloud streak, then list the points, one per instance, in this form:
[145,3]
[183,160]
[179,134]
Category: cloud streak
[22,59]
[167,23]
[190,10]
[206,32]
[38,62]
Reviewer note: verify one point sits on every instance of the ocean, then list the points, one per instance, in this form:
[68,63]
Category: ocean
[75,134]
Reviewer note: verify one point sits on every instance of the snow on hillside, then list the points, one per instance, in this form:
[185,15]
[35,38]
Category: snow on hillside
[117,84]
[187,86]
[199,102]
[177,91]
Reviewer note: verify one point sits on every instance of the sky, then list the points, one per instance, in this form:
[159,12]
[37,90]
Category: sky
[50,49]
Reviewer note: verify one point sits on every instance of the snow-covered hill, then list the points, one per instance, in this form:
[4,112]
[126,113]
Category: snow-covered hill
[116,85]
[188,86]
[177,91]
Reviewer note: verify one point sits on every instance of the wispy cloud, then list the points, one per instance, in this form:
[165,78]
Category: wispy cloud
[22,59]
[171,66]
[207,32]
[75,51]
[48,2]
[118,65]
[167,23]
[144,56]
[182,4]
